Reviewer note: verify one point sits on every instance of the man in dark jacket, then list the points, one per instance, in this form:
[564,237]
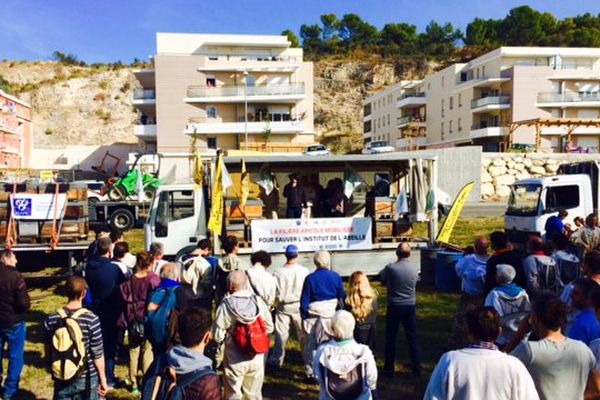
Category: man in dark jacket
[103,278]
[296,198]
[503,254]
[14,302]
[188,357]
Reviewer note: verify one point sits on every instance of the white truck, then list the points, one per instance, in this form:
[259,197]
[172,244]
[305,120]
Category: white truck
[178,214]
[532,201]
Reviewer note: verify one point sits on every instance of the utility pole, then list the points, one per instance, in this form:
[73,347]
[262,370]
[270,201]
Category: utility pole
[246,109]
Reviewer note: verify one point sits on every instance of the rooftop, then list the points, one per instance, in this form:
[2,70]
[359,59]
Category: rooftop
[192,43]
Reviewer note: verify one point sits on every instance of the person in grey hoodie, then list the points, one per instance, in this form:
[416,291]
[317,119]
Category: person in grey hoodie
[342,355]
[243,372]
[510,301]
[188,357]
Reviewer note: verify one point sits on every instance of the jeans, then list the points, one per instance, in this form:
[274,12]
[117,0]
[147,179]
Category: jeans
[110,339]
[76,390]
[294,212]
[407,316]
[15,337]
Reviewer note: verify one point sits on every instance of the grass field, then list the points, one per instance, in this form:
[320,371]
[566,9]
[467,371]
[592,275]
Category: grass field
[435,312]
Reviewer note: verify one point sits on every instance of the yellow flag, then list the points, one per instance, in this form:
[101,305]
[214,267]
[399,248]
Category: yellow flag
[215,221]
[198,170]
[244,185]
[457,206]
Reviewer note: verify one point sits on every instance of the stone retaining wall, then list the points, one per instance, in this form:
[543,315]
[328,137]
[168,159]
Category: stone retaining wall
[499,170]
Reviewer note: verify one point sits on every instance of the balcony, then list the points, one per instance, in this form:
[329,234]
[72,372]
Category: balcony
[205,126]
[411,143]
[290,92]
[403,122]
[479,131]
[145,132]
[490,103]
[569,99]
[145,100]
[411,100]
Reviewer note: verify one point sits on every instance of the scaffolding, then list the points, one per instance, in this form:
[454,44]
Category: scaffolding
[569,123]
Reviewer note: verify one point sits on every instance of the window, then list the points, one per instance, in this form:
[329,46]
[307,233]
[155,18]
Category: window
[459,100]
[173,206]
[483,72]
[442,104]
[367,126]
[450,126]
[459,124]
[477,73]
[451,102]
[388,119]
[383,121]
[211,81]
[442,129]
[561,197]
[211,112]
[464,77]
[211,143]
[250,80]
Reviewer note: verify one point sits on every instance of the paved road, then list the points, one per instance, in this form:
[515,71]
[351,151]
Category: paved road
[495,209]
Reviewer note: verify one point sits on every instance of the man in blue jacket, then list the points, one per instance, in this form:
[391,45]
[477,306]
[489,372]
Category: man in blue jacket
[103,278]
[322,293]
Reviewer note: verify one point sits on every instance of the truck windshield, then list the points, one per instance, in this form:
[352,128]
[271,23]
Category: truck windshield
[524,199]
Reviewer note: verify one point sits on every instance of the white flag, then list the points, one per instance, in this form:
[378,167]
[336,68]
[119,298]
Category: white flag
[139,185]
[402,202]
[352,180]
[265,180]
[226,178]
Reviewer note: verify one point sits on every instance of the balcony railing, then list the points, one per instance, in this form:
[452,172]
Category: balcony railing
[240,90]
[271,117]
[483,125]
[568,97]
[144,94]
[407,95]
[406,120]
[489,101]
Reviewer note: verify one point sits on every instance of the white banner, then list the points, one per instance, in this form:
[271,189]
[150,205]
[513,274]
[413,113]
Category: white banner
[32,206]
[273,235]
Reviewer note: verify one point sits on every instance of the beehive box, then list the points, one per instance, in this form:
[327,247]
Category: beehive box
[253,209]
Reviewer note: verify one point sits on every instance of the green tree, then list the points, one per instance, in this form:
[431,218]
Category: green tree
[311,39]
[355,32]
[331,33]
[523,26]
[291,36]
[67,59]
[483,33]
[439,41]
[398,38]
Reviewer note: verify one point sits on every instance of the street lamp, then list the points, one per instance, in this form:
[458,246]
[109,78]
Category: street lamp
[246,110]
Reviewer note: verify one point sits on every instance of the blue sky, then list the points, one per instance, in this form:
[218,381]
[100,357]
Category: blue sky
[110,30]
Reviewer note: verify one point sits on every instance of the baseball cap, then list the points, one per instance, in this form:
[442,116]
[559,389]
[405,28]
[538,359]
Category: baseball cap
[291,250]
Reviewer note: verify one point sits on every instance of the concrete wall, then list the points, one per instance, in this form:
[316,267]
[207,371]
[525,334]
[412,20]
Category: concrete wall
[458,166]
[82,157]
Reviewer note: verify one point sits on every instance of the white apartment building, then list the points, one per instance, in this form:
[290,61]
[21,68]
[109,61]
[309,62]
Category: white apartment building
[228,91]
[475,102]
[384,120]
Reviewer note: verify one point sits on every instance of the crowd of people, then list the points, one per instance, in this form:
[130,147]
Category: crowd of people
[527,324]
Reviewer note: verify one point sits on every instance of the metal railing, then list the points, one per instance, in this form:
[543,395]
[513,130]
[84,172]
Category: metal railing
[484,125]
[568,97]
[144,94]
[409,119]
[239,90]
[490,100]
[407,95]
[251,118]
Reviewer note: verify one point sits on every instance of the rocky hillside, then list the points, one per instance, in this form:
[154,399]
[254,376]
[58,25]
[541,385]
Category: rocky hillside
[75,105]
[85,105]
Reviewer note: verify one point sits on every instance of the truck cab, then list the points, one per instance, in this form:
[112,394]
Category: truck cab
[533,201]
[178,212]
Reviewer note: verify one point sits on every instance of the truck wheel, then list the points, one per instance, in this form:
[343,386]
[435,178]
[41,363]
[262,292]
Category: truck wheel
[148,194]
[122,219]
[116,193]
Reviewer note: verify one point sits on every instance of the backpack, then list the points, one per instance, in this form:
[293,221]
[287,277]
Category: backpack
[348,386]
[549,276]
[568,265]
[251,338]
[161,383]
[156,327]
[67,349]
